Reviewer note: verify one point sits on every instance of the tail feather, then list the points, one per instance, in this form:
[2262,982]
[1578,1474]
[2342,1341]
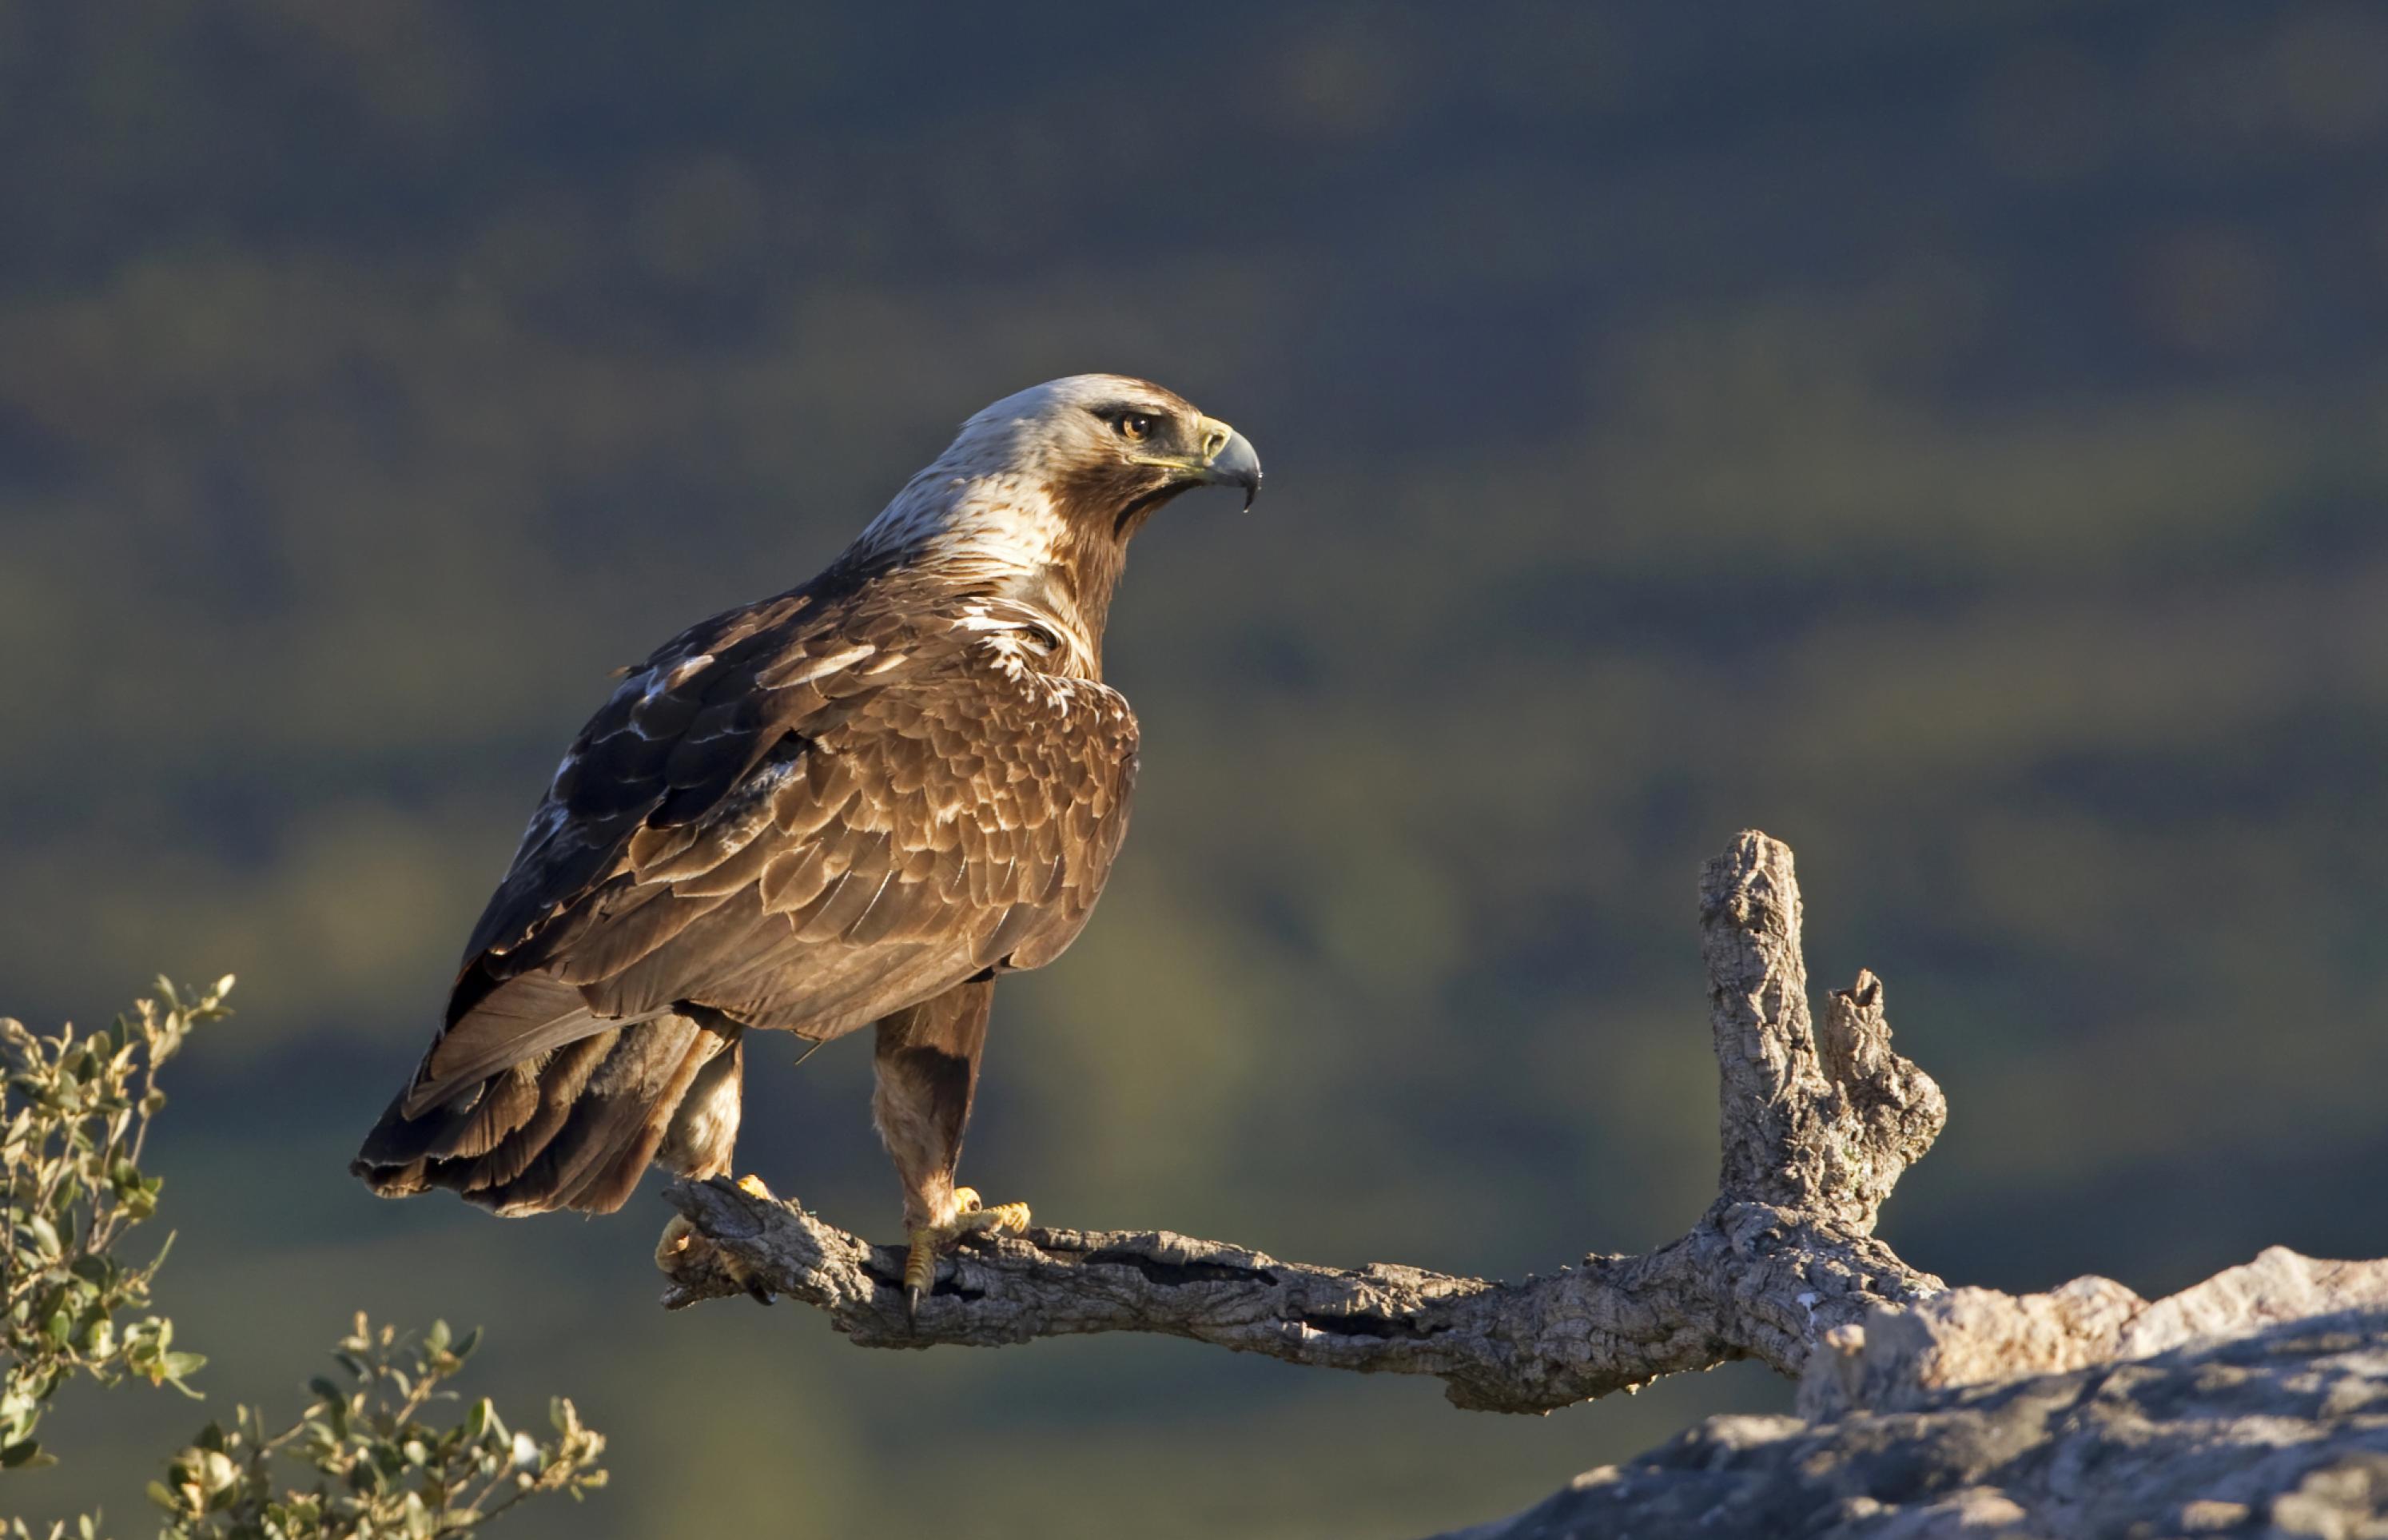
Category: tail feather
[560,1081]
[620,1100]
[573,1127]
[507,1101]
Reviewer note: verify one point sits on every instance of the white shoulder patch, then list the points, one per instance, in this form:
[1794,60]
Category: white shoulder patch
[822,668]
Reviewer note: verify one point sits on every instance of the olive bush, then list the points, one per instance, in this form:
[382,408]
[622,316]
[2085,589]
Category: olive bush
[380,1452]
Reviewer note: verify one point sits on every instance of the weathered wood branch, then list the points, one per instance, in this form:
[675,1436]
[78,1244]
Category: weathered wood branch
[1815,1134]
[2249,1404]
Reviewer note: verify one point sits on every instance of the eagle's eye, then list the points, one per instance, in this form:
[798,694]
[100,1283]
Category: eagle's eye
[1134,426]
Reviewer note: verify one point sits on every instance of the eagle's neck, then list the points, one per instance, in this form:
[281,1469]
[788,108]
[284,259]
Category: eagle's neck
[1004,534]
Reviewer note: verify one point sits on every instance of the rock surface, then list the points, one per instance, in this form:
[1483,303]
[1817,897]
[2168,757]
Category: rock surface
[2254,1404]
[1897,1358]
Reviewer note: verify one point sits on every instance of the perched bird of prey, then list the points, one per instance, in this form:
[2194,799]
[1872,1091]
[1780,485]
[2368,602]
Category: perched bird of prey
[860,803]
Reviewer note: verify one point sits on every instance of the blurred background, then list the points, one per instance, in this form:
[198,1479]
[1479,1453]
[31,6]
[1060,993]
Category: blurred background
[1953,439]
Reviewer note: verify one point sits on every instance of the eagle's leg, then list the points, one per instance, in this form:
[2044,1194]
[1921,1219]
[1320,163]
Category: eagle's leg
[700,1142]
[927,1066]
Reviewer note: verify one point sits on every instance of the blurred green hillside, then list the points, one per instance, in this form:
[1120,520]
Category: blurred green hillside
[1953,439]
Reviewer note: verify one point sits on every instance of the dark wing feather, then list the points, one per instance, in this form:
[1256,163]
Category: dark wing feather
[804,816]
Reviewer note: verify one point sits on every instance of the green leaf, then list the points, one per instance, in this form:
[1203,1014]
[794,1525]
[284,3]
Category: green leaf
[177,1366]
[25,1452]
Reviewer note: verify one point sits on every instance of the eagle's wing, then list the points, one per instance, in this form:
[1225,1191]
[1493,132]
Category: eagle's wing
[803,817]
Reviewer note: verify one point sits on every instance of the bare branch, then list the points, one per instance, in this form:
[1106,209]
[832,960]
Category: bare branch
[1821,1129]
[1814,1138]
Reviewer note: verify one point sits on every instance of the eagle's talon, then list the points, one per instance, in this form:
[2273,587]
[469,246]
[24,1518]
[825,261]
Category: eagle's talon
[678,1237]
[971,1217]
[683,1248]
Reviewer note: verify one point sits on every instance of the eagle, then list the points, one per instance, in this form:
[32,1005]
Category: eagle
[858,803]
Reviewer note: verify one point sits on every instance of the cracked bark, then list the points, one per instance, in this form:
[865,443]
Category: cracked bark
[1815,1129]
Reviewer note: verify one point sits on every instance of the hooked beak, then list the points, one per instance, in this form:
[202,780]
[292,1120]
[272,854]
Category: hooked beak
[1228,459]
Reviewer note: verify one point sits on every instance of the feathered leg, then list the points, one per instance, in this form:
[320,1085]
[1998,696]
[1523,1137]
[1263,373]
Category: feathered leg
[927,1066]
[703,1134]
[701,1140]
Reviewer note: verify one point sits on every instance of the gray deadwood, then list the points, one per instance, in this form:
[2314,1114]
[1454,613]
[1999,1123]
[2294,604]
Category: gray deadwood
[1816,1129]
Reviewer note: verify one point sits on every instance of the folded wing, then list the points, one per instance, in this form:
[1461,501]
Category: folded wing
[795,817]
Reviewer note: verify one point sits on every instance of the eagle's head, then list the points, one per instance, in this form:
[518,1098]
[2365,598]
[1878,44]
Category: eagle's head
[1060,475]
[1111,448]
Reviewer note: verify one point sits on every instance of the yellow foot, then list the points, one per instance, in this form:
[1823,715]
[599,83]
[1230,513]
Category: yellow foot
[679,1237]
[681,1247]
[971,1217]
